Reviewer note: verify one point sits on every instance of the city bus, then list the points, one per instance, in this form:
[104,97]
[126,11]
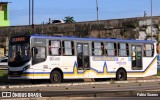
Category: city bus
[57,58]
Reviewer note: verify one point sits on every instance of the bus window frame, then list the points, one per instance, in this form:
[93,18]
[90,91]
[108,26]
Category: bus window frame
[101,48]
[59,48]
[72,48]
[115,49]
[127,49]
[152,49]
[37,51]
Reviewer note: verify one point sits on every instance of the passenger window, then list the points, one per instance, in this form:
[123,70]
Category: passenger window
[110,49]
[123,49]
[54,47]
[97,48]
[68,48]
[148,50]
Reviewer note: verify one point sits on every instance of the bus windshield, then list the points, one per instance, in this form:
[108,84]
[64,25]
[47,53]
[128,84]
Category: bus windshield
[19,53]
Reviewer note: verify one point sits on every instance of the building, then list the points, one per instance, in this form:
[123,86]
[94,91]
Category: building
[4,14]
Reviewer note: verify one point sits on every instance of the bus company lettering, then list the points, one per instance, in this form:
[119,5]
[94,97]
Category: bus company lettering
[104,58]
[54,58]
[121,62]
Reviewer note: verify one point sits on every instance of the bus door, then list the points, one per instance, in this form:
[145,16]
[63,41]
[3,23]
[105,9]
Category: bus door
[83,56]
[136,57]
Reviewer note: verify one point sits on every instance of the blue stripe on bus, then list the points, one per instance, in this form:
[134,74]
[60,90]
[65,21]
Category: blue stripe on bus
[95,39]
[105,65]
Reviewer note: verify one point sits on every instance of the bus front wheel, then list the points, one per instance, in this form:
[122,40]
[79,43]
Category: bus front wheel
[121,75]
[56,77]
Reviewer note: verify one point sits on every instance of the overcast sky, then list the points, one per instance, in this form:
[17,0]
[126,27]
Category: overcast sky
[81,10]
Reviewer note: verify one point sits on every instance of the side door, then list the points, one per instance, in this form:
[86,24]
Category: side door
[83,56]
[136,57]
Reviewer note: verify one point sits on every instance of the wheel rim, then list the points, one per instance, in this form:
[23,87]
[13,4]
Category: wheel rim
[56,77]
[121,76]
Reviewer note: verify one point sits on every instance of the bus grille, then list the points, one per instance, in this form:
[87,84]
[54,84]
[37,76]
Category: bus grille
[15,73]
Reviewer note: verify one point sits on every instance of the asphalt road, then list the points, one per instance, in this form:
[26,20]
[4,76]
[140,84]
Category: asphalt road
[150,90]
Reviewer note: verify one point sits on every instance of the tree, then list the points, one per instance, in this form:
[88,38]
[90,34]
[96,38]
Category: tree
[69,19]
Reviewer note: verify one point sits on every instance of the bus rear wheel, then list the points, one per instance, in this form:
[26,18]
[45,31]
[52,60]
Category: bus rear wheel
[121,75]
[56,77]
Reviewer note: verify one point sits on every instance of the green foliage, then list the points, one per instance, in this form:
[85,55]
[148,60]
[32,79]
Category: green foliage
[69,19]
[3,73]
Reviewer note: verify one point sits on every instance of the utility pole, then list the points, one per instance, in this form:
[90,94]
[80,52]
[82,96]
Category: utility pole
[151,21]
[145,13]
[29,12]
[32,13]
[97,8]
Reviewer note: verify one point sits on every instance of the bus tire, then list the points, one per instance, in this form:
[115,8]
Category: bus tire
[55,77]
[121,75]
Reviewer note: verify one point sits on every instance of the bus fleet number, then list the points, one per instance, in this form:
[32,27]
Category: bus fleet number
[54,58]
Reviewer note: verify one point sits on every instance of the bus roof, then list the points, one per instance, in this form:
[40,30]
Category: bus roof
[93,39]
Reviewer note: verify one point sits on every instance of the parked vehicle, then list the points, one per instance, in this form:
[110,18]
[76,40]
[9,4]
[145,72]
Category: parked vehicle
[56,21]
[4,63]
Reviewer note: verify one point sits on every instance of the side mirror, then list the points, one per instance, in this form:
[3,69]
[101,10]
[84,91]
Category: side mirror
[35,50]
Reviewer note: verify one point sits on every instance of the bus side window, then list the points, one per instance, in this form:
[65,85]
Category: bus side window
[68,48]
[55,47]
[38,54]
[148,50]
[123,49]
[110,49]
[97,48]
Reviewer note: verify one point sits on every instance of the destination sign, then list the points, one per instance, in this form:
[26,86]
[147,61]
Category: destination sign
[18,39]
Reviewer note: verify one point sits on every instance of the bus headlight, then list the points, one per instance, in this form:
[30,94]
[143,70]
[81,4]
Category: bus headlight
[26,67]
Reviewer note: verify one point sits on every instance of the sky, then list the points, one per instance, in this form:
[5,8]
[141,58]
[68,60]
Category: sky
[81,10]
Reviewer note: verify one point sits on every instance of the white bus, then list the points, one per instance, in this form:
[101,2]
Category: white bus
[58,58]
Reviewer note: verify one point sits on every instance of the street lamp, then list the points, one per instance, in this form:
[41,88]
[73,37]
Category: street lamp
[97,8]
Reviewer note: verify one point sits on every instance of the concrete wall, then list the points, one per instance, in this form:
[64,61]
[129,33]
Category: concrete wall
[118,28]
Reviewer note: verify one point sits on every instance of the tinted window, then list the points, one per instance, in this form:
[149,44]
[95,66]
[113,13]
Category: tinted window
[39,54]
